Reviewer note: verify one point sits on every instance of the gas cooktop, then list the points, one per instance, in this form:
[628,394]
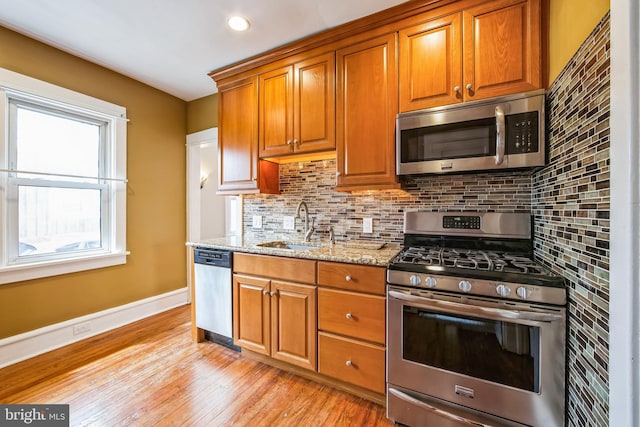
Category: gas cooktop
[488,254]
[471,259]
[491,265]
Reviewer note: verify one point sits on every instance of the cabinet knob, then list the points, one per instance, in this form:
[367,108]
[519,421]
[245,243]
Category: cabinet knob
[296,142]
[469,86]
[338,174]
[288,142]
[273,293]
[349,316]
[348,278]
[265,292]
[349,363]
[456,89]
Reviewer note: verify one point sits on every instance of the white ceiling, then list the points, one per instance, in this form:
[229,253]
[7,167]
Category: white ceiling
[173,44]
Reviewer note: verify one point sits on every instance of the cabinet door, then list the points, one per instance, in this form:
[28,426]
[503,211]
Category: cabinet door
[238,137]
[276,112]
[367,104]
[251,313]
[293,323]
[314,104]
[431,63]
[502,42]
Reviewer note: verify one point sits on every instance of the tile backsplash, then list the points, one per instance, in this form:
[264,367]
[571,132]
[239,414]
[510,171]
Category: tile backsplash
[314,181]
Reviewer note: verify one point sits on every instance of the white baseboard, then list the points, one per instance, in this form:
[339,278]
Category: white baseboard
[29,344]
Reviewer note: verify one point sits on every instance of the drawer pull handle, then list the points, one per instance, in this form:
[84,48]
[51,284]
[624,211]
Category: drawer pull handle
[348,278]
[349,316]
[348,363]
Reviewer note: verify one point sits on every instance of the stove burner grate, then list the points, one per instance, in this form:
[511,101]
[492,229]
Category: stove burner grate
[470,259]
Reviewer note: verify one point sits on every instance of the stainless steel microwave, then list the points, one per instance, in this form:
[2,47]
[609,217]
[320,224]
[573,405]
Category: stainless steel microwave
[496,133]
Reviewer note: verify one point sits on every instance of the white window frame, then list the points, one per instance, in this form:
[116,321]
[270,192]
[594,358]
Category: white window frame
[19,89]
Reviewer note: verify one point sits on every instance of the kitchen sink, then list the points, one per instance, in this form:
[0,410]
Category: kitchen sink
[287,245]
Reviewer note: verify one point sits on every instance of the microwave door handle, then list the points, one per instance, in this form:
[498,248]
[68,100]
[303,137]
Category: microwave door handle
[500,140]
[467,309]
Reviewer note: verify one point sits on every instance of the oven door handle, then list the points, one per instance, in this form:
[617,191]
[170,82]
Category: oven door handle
[439,412]
[472,309]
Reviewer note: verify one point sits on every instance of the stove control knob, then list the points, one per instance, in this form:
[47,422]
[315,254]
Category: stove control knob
[503,290]
[523,292]
[464,285]
[414,280]
[430,282]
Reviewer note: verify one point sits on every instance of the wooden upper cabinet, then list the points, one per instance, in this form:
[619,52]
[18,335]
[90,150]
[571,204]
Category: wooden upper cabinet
[483,51]
[239,169]
[276,112]
[502,52]
[297,107]
[367,104]
[314,101]
[431,63]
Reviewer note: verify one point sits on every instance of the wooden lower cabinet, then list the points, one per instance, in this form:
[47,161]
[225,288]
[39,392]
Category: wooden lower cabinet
[252,313]
[293,323]
[352,314]
[333,333]
[276,318]
[367,279]
[353,361]
[351,324]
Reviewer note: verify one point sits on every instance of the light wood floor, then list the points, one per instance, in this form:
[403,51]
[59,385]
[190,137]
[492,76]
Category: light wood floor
[150,374]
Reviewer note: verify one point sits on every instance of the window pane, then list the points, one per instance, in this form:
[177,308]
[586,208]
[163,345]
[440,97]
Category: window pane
[54,220]
[54,144]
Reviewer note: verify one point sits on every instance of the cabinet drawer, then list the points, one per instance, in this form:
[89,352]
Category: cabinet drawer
[292,269]
[348,313]
[353,277]
[352,361]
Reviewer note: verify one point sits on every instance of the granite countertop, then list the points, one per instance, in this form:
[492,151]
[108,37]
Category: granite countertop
[353,252]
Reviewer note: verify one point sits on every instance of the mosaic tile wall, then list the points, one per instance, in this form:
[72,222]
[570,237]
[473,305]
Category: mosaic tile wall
[314,181]
[571,215]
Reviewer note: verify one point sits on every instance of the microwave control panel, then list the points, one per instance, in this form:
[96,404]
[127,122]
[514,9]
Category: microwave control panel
[522,133]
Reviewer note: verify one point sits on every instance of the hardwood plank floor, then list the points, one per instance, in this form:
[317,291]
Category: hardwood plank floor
[150,373]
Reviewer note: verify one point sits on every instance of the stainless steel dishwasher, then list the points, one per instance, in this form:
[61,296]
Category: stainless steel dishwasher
[213,294]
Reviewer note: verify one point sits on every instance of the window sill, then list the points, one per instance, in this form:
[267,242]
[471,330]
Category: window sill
[22,272]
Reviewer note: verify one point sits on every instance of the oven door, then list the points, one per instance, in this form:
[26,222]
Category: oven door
[501,358]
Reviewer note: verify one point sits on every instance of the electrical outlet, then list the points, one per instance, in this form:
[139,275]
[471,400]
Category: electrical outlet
[81,328]
[289,223]
[257,221]
[367,225]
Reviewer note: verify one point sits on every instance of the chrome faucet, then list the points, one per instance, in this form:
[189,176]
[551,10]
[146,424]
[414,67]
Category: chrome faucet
[332,236]
[308,231]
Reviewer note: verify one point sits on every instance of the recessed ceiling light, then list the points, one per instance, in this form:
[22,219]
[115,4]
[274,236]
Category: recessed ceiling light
[238,23]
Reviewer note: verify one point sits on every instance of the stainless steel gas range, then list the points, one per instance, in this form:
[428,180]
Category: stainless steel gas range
[475,327]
